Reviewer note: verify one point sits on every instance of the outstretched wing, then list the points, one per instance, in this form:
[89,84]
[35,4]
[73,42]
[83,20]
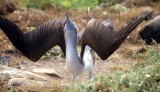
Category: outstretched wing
[105,41]
[35,43]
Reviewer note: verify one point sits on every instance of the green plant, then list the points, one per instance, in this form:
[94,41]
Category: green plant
[107,1]
[118,8]
[54,53]
[74,4]
[144,76]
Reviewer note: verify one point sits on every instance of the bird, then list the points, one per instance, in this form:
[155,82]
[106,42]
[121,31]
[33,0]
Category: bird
[5,60]
[151,31]
[74,63]
[104,41]
[97,38]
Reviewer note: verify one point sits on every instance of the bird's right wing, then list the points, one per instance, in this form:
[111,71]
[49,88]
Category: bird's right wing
[105,41]
[35,43]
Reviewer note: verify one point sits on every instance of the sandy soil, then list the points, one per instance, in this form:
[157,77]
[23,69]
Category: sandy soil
[121,60]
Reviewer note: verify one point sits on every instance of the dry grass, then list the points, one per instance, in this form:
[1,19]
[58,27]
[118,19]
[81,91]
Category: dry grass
[3,81]
[119,67]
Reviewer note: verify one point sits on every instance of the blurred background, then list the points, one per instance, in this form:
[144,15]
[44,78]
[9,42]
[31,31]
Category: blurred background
[29,14]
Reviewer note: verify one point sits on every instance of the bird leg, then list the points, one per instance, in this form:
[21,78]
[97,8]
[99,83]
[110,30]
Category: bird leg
[73,78]
[90,76]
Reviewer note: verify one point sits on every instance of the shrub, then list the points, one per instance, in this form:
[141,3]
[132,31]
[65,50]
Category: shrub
[144,76]
[74,4]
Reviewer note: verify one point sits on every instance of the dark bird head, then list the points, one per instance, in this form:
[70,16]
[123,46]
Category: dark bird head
[150,33]
[146,12]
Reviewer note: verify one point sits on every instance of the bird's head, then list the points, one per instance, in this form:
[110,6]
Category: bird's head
[70,28]
[148,33]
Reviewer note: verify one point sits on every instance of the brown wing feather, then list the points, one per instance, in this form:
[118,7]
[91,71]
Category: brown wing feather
[105,41]
[35,43]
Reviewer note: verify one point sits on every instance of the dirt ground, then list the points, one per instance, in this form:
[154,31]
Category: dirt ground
[121,60]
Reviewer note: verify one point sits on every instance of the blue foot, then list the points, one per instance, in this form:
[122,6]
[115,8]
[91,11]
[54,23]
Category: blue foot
[90,76]
[73,78]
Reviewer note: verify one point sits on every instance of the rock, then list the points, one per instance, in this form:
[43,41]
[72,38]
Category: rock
[2,77]
[20,73]
[24,82]
[17,77]
[20,67]
[23,62]
[9,71]
[50,72]
[5,60]
[30,75]
[37,64]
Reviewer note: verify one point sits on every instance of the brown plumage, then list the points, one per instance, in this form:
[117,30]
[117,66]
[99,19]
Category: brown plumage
[104,41]
[35,43]
[151,31]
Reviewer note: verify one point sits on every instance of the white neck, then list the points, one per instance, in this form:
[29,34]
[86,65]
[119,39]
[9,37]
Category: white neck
[73,62]
[71,50]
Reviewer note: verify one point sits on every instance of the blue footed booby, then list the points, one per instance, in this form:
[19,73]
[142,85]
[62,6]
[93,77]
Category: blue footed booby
[97,38]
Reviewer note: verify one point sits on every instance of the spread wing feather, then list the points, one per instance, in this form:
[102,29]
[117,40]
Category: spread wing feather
[105,41]
[36,42]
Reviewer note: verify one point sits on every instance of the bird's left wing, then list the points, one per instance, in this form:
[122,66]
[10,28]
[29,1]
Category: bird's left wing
[105,41]
[36,42]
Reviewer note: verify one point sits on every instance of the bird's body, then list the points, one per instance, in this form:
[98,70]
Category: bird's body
[151,31]
[75,64]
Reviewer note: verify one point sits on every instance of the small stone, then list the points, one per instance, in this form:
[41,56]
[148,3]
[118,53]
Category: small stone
[20,67]
[23,62]
[36,64]
[50,72]
[24,82]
